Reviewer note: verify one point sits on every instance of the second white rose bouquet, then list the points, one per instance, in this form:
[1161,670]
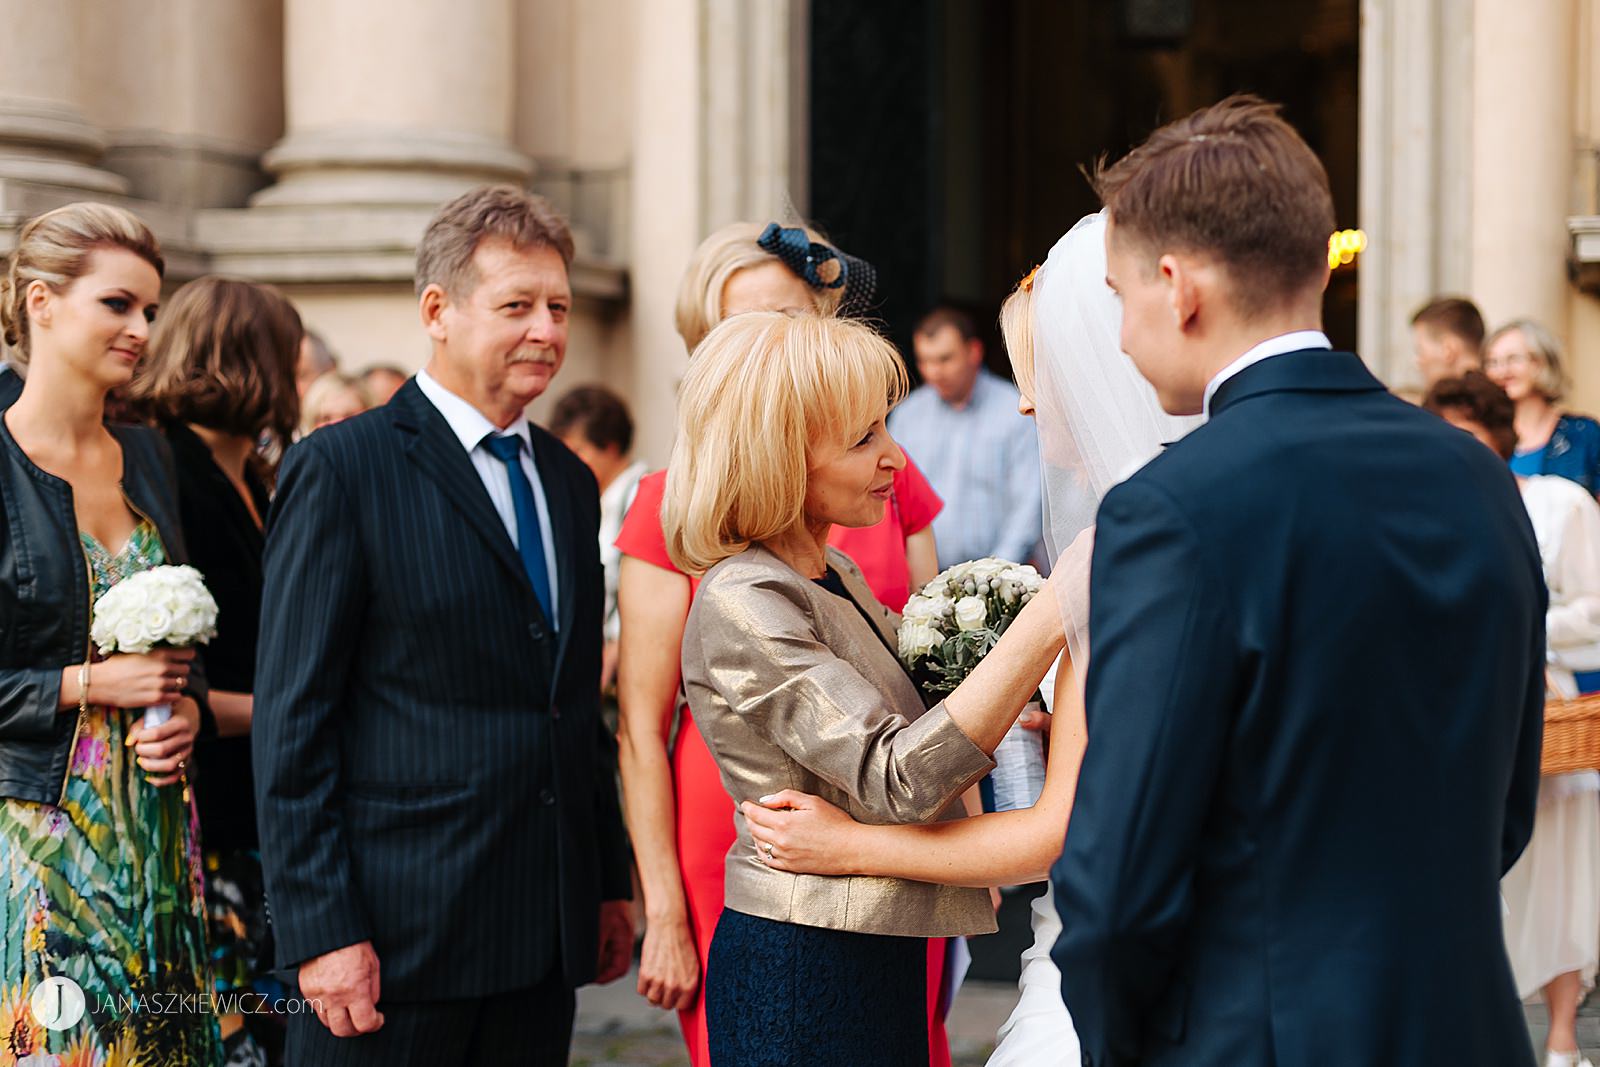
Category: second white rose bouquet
[163,607]
[951,625]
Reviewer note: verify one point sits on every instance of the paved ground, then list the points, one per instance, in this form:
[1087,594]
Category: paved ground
[616,1028]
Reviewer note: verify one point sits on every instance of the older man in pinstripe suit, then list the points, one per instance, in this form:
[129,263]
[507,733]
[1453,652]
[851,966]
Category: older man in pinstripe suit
[444,854]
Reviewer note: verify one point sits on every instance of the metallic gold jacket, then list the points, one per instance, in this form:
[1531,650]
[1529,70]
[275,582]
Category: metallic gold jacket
[792,688]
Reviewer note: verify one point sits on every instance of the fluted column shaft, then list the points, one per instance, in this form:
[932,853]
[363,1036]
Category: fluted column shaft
[404,106]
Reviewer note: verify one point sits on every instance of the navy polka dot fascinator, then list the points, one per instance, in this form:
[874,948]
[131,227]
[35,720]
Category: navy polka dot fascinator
[823,266]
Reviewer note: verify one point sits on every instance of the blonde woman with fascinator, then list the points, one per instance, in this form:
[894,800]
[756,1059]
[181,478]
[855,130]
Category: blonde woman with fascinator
[103,879]
[680,820]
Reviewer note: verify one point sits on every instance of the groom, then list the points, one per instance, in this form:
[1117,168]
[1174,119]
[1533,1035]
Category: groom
[444,854]
[1315,690]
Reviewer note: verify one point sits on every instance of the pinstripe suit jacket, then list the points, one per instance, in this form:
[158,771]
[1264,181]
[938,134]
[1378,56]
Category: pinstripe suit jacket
[432,772]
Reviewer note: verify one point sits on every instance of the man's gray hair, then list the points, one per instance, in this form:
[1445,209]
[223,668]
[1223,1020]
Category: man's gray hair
[526,220]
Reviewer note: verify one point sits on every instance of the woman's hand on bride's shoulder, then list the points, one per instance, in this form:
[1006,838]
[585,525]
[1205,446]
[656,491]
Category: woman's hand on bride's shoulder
[802,834]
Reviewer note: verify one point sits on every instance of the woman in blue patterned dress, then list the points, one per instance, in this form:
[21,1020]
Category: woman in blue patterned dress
[102,955]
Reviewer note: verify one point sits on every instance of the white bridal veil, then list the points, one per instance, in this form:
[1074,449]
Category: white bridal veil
[1098,420]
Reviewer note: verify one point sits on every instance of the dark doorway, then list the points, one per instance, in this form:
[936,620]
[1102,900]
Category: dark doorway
[948,137]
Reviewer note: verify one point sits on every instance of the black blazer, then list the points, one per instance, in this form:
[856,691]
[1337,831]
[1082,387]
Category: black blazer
[45,602]
[225,545]
[1315,705]
[10,387]
[432,772]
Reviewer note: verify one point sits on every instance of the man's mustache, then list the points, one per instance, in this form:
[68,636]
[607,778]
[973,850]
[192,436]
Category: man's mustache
[534,355]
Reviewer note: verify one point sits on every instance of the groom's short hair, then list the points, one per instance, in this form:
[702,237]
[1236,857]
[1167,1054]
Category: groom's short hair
[1234,181]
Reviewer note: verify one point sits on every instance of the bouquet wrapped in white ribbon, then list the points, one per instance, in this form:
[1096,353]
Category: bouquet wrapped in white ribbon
[163,607]
[952,624]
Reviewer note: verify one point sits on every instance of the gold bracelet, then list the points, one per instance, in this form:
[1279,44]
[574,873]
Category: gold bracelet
[83,687]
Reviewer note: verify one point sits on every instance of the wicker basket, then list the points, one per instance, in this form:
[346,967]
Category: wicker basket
[1571,735]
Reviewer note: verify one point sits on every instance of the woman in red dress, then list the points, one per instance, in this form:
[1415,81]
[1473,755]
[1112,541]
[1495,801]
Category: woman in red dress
[679,816]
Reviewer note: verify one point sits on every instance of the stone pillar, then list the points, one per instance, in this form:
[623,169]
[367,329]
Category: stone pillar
[44,137]
[187,131]
[1416,169]
[719,136]
[394,106]
[1523,158]
[668,175]
[1584,226]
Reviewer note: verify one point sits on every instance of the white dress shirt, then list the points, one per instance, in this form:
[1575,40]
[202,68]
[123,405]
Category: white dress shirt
[1298,341]
[614,505]
[472,427]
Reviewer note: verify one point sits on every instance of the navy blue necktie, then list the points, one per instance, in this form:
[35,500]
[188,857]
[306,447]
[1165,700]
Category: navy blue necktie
[530,540]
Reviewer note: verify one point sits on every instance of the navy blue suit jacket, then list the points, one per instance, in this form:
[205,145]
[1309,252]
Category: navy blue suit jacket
[432,772]
[1315,699]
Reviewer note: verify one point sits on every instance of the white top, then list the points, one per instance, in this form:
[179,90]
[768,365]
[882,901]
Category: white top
[1298,341]
[1566,523]
[614,504]
[472,427]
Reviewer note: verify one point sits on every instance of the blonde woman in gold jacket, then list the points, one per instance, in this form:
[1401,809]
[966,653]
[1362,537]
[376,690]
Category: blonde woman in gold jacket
[790,663]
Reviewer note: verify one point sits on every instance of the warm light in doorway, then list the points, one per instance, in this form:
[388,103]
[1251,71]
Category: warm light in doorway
[1344,246]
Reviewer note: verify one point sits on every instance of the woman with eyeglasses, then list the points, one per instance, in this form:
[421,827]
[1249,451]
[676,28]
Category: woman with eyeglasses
[1522,358]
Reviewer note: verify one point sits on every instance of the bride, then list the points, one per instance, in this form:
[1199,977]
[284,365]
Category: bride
[1098,422]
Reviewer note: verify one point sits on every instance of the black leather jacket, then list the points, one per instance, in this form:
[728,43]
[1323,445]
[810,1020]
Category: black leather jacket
[44,602]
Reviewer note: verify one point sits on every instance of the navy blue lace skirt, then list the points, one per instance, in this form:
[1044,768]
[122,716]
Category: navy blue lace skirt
[781,995]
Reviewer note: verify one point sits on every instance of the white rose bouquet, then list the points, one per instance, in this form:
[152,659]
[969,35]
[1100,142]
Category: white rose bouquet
[952,624]
[163,607]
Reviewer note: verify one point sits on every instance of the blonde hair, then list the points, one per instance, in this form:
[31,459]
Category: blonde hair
[1016,329]
[321,391]
[54,248]
[1551,381]
[719,257]
[762,390]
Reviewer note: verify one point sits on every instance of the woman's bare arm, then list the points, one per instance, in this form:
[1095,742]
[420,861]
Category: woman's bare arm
[922,558]
[810,836]
[653,603]
[232,711]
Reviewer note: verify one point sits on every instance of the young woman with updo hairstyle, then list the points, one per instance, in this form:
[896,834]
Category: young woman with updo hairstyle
[679,817]
[219,383]
[99,866]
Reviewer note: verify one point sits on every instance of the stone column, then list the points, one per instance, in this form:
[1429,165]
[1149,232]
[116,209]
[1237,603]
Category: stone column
[1416,169]
[44,137]
[719,136]
[1523,158]
[394,106]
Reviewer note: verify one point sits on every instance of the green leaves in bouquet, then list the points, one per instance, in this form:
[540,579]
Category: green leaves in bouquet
[950,664]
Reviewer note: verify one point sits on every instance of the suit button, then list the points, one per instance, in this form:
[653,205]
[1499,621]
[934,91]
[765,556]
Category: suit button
[547,797]
[535,632]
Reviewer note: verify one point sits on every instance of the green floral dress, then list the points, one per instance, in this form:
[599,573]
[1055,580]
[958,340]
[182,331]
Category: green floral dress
[106,890]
